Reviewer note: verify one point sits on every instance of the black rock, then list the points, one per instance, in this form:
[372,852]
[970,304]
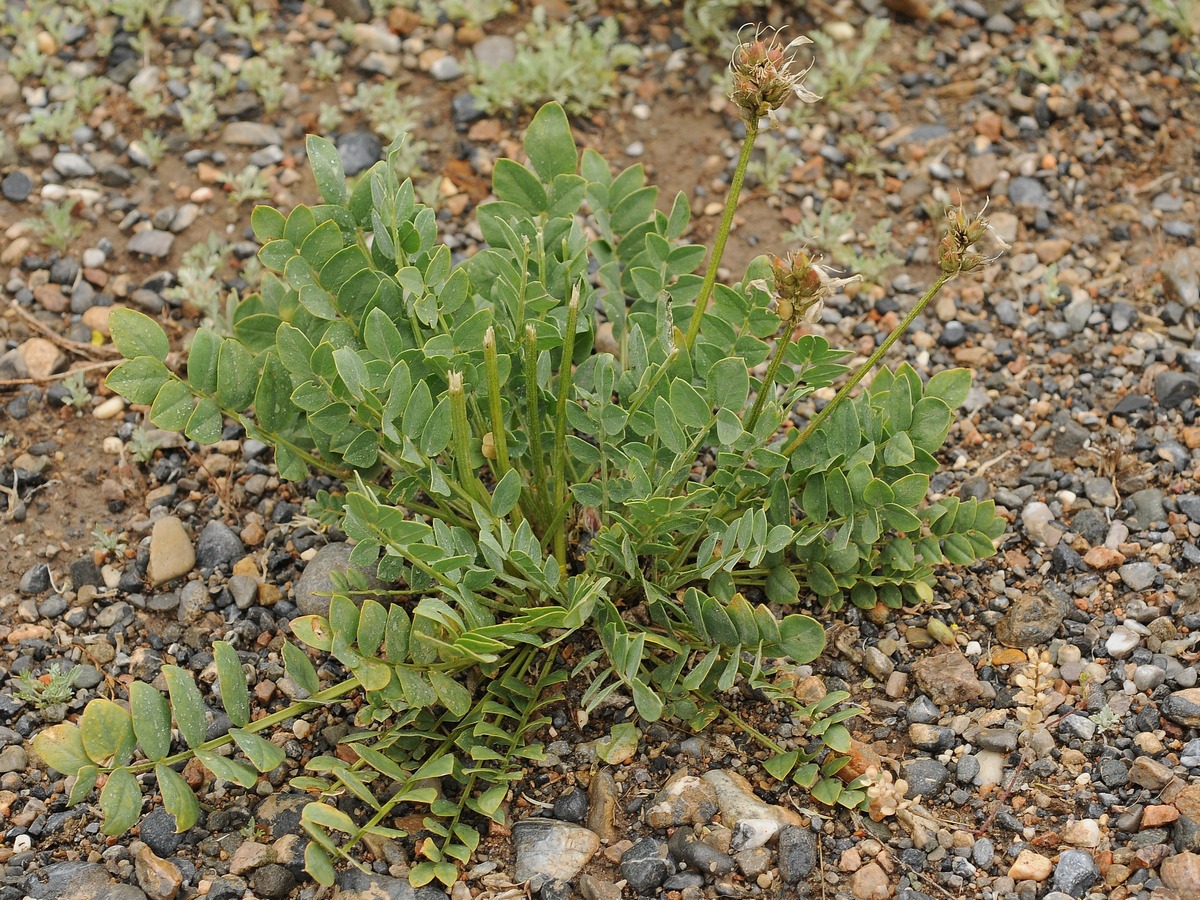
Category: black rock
[797,853]
[925,777]
[465,109]
[645,865]
[231,887]
[218,546]
[572,806]
[359,151]
[1024,191]
[1173,388]
[1130,404]
[64,270]
[1075,873]
[556,890]
[953,334]
[85,571]
[36,580]
[65,880]
[696,854]
[16,187]
[158,831]
[272,881]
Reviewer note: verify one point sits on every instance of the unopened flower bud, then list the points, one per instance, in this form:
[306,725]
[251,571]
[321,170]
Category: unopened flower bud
[802,286]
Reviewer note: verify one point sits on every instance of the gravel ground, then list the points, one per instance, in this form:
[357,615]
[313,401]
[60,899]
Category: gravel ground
[1044,713]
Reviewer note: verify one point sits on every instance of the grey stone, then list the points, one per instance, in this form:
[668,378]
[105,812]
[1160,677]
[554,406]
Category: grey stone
[1113,772]
[967,770]
[1000,740]
[16,187]
[645,865]
[78,881]
[1146,677]
[932,738]
[355,885]
[687,849]
[465,109]
[983,852]
[36,580]
[353,10]
[1138,576]
[151,242]
[1148,505]
[1075,873]
[1190,754]
[72,165]
[218,546]
[1025,191]
[495,50]
[1077,312]
[312,590]
[1183,707]
[244,590]
[797,853]
[13,758]
[280,814]
[923,711]
[1100,491]
[1181,277]
[273,882]
[925,777]
[445,68]
[359,150]
[1173,388]
[551,850]
[251,134]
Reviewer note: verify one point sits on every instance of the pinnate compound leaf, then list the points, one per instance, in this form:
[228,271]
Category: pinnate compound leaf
[264,755]
[151,720]
[187,704]
[549,144]
[121,802]
[950,386]
[136,334]
[178,798]
[172,406]
[107,733]
[232,680]
[204,424]
[61,747]
[451,694]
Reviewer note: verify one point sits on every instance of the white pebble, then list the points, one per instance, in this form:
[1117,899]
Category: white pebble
[641,111]
[113,445]
[110,408]
[22,843]
[637,148]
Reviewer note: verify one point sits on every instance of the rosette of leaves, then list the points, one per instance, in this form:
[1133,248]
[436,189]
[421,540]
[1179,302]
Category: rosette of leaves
[532,496]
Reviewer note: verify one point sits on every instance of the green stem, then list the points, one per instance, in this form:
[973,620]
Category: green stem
[318,699]
[533,402]
[873,360]
[461,430]
[710,275]
[749,729]
[495,407]
[560,424]
[768,382]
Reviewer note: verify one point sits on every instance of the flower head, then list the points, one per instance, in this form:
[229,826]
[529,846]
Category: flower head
[801,286]
[955,252]
[765,75]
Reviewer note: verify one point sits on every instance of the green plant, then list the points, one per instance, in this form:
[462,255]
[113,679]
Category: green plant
[57,227]
[329,118]
[249,24]
[389,111]
[835,234]
[58,686]
[52,123]
[196,111]
[1053,11]
[324,64]
[571,64]
[1183,16]
[775,165]
[706,22]
[108,542]
[78,396]
[248,184]
[472,12]
[265,79]
[541,510]
[1047,60]
[847,69]
[154,146]
[142,446]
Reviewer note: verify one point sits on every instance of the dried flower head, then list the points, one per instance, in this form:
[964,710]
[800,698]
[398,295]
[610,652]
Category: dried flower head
[886,793]
[955,252]
[801,286]
[765,74]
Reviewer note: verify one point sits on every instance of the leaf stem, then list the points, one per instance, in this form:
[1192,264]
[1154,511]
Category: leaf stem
[560,424]
[533,404]
[873,360]
[768,382]
[495,407]
[731,202]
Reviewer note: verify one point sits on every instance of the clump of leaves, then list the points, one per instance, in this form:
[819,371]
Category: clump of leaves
[568,63]
[78,395]
[57,227]
[56,686]
[542,505]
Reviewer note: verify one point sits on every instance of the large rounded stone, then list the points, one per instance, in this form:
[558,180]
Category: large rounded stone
[314,588]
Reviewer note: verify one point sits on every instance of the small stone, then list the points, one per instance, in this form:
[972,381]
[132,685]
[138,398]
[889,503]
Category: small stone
[315,585]
[251,134]
[1103,558]
[983,853]
[13,758]
[948,677]
[72,165]
[1181,277]
[684,800]
[171,551]
[645,865]
[36,579]
[1038,521]
[1146,677]
[753,821]
[870,882]
[495,50]
[41,357]
[157,830]
[218,546]
[151,242]
[1182,873]
[932,738]
[925,777]
[1183,707]
[16,187]
[1121,642]
[273,882]
[1030,866]
[445,68]
[1173,388]
[552,849]
[1138,576]
[572,806]
[797,853]
[358,150]
[1081,833]
[1032,619]
[159,878]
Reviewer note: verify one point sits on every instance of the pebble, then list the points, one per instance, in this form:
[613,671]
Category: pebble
[797,853]
[152,242]
[551,849]
[159,878]
[1075,873]
[1030,866]
[359,150]
[171,551]
[72,165]
[251,134]
[1183,707]
[16,187]
[218,546]
[1121,642]
[445,68]
[645,866]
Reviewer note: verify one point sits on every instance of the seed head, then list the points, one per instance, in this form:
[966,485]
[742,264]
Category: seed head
[801,287]
[765,74]
[955,253]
